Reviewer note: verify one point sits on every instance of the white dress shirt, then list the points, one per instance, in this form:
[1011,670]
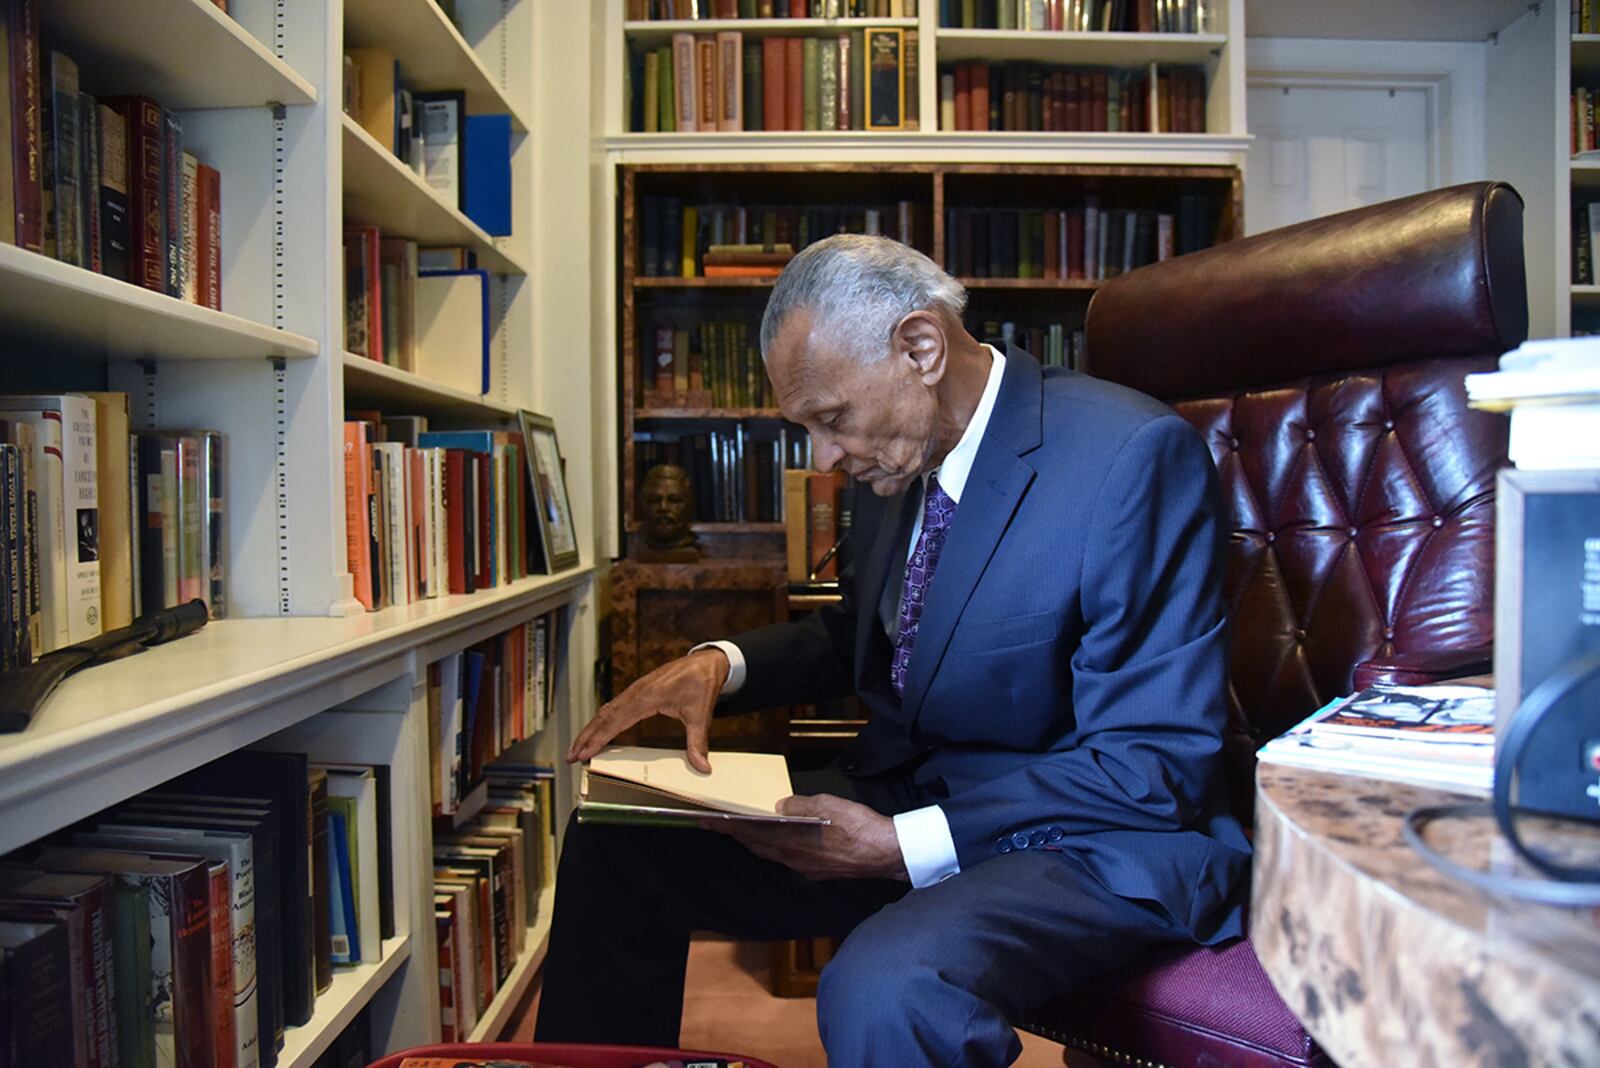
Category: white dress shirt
[926,845]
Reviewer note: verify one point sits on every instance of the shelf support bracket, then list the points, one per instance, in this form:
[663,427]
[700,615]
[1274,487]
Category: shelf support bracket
[280,159]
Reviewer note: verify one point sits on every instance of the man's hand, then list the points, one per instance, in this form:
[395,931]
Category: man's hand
[858,844]
[685,689]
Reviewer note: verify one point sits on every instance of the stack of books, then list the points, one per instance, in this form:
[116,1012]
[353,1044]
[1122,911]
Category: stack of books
[1438,736]
[191,925]
[98,525]
[488,875]
[1551,388]
[103,184]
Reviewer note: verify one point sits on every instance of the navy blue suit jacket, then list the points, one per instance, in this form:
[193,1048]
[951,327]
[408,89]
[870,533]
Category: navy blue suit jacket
[1070,667]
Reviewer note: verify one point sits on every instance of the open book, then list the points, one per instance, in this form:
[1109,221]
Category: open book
[634,784]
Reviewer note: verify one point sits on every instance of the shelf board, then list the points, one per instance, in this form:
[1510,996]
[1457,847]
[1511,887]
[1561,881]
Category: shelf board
[1586,174]
[495,1018]
[351,990]
[114,730]
[72,309]
[1098,49]
[183,53]
[929,146]
[657,32]
[666,282]
[707,413]
[1038,284]
[381,191]
[431,52]
[368,383]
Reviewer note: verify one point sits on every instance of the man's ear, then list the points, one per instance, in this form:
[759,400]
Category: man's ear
[920,338]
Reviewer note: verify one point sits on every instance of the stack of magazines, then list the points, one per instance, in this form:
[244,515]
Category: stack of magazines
[1439,736]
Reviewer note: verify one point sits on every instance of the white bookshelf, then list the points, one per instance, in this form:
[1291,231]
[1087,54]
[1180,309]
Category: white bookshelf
[381,190]
[296,664]
[127,47]
[1113,49]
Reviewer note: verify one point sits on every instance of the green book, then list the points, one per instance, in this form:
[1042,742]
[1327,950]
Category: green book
[811,86]
[666,93]
[828,84]
[858,80]
[753,102]
[136,1034]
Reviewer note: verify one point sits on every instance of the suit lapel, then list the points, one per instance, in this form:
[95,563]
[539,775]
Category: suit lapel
[995,487]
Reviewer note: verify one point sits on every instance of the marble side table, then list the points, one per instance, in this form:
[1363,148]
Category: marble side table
[1386,961]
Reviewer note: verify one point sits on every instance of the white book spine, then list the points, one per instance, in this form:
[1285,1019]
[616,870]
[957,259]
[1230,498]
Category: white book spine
[167,502]
[1594,235]
[49,488]
[441,524]
[82,519]
[395,483]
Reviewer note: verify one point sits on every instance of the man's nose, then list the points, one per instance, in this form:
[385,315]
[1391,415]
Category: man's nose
[825,454]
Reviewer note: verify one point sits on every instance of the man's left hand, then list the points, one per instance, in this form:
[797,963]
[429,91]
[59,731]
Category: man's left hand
[859,843]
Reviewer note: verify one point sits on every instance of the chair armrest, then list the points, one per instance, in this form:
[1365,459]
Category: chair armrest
[1421,669]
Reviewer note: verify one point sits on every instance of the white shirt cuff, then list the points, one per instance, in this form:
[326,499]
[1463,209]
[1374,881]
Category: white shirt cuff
[926,845]
[736,666]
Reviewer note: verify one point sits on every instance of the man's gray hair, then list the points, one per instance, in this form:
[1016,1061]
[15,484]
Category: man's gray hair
[857,289]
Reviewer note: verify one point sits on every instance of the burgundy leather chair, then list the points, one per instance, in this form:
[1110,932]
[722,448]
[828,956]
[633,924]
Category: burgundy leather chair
[1323,364]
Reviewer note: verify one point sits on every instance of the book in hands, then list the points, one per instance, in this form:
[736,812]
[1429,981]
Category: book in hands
[658,787]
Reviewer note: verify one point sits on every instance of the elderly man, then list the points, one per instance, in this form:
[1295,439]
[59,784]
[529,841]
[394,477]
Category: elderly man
[1034,619]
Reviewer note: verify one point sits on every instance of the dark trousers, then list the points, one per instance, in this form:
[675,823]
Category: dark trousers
[926,976]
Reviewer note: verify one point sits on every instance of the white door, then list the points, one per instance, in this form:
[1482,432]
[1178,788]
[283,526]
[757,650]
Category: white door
[1322,149]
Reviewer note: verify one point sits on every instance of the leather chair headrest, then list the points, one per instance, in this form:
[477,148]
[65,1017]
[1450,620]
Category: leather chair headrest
[1433,275]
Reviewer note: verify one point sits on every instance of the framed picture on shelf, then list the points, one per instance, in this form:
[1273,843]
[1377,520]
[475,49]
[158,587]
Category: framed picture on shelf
[549,490]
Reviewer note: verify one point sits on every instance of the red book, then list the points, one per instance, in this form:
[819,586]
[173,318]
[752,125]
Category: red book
[1145,13]
[484,463]
[27,131]
[1098,121]
[797,9]
[357,491]
[416,513]
[146,237]
[455,466]
[1197,101]
[705,49]
[210,237]
[964,97]
[1052,245]
[773,80]
[224,1037]
[794,64]
[1072,114]
[978,110]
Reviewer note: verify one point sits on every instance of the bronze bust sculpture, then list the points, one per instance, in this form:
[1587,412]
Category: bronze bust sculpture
[666,503]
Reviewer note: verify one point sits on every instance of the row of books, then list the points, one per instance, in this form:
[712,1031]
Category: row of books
[98,525]
[1052,344]
[713,363]
[1077,16]
[484,700]
[737,474]
[1049,98]
[641,10]
[101,184]
[1087,241]
[675,237]
[191,925]
[415,309]
[1584,17]
[865,79]
[816,524]
[487,878]
[465,159]
[1585,232]
[434,513]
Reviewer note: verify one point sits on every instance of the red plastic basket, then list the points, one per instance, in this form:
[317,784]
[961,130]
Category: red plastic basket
[576,1056]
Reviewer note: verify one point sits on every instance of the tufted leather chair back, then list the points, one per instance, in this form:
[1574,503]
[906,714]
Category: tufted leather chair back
[1323,364]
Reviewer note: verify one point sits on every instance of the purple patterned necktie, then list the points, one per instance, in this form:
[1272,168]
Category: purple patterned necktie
[937,512]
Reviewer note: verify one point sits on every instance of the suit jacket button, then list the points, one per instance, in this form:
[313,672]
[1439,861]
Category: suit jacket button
[1004,845]
[1020,840]
[1055,834]
[1036,839]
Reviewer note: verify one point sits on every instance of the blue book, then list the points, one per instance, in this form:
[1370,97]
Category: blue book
[342,927]
[486,196]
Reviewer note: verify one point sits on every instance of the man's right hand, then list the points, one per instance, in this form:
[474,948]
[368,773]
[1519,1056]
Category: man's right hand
[685,689]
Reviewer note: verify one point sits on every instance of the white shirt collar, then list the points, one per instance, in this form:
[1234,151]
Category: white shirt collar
[957,465]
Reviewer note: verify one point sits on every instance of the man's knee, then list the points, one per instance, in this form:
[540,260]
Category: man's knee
[883,967]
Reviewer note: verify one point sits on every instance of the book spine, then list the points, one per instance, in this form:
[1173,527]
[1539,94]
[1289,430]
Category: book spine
[730,80]
[146,238]
[189,213]
[811,84]
[192,503]
[11,609]
[224,1037]
[27,124]
[685,80]
[828,84]
[822,508]
[36,1004]
[193,1026]
[214,572]
[172,201]
[63,223]
[753,108]
[794,83]
[89,181]
[706,100]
